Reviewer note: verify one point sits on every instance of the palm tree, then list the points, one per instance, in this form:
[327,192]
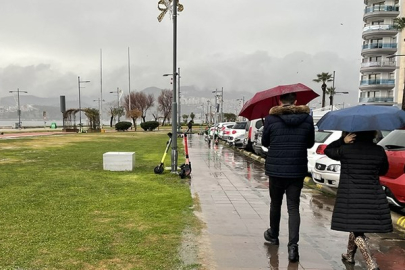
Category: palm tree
[323,77]
[331,92]
[399,23]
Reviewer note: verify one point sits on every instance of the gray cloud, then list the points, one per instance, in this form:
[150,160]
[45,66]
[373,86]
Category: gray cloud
[243,46]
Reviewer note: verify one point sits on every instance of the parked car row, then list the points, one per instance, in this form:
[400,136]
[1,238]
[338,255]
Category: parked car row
[326,171]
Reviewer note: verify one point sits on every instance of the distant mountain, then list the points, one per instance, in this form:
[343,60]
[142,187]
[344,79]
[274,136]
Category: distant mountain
[193,100]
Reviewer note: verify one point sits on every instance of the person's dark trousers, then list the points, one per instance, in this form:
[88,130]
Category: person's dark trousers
[292,188]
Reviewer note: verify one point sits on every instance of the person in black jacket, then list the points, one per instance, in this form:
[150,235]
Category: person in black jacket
[288,132]
[361,204]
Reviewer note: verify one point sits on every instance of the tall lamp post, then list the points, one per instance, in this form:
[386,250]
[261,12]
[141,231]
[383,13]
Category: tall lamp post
[243,102]
[332,96]
[80,104]
[118,100]
[403,90]
[178,97]
[99,100]
[18,105]
[221,116]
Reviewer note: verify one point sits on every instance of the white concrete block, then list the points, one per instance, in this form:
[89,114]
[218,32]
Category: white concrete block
[119,161]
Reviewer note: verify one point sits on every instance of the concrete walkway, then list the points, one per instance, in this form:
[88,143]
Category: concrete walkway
[234,202]
[236,215]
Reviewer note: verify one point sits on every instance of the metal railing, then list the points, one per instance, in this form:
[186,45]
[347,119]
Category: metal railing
[379,27]
[378,64]
[378,82]
[376,99]
[381,9]
[380,46]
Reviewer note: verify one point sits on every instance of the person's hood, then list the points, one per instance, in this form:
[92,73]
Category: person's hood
[292,115]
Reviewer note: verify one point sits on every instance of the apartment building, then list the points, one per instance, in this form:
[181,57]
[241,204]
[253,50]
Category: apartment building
[382,75]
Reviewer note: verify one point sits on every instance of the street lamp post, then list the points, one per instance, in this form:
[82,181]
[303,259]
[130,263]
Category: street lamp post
[178,97]
[243,101]
[332,96]
[80,104]
[99,100]
[221,117]
[118,102]
[18,105]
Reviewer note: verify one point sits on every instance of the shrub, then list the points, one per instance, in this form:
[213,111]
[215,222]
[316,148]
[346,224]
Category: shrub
[149,125]
[123,126]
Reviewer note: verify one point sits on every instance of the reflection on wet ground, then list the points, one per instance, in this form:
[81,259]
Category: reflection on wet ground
[316,212]
[251,170]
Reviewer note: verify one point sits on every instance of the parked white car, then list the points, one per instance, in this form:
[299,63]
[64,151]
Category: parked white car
[252,127]
[326,172]
[237,130]
[223,134]
[322,139]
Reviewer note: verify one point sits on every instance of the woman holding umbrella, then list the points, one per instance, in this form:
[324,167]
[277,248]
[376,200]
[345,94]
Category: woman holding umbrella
[361,205]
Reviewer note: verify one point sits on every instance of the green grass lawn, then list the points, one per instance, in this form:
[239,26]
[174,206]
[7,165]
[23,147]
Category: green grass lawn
[60,210]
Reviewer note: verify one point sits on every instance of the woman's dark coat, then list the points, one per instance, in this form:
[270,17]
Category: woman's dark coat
[288,132]
[361,204]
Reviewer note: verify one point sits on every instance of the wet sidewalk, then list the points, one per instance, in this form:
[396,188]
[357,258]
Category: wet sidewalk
[236,213]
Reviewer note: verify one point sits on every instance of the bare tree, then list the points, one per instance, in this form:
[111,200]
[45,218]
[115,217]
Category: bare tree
[139,101]
[165,104]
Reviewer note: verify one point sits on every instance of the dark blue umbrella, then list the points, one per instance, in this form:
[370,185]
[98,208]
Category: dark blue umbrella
[363,118]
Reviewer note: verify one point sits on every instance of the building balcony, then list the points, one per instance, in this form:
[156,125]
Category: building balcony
[379,48]
[378,100]
[383,84]
[379,66]
[379,31]
[380,12]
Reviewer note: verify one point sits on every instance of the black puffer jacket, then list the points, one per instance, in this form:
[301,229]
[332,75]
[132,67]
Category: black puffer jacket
[361,204]
[288,132]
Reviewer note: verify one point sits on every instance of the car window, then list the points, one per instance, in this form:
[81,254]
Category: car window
[259,124]
[396,138]
[241,125]
[322,136]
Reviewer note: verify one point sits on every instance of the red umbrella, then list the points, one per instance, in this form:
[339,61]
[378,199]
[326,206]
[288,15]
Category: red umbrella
[261,103]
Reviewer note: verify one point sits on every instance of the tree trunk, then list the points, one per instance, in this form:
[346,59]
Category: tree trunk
[331,100]
[323,94]
[111,120]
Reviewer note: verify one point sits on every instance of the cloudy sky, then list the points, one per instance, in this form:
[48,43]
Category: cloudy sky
[242,46]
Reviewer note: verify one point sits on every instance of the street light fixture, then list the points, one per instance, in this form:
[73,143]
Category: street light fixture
[80,104]
[403,90]
[18,105]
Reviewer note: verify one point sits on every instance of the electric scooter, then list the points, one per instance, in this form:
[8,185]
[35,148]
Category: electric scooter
[160,168]
[186,167]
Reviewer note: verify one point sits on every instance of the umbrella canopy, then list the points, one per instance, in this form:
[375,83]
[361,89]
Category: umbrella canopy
[261,103]
[363,118]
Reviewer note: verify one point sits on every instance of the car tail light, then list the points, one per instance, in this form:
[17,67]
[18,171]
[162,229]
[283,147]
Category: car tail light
[321,148]
[233,131]
[250,133]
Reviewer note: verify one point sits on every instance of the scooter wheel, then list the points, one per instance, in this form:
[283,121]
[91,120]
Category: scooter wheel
[158,169]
